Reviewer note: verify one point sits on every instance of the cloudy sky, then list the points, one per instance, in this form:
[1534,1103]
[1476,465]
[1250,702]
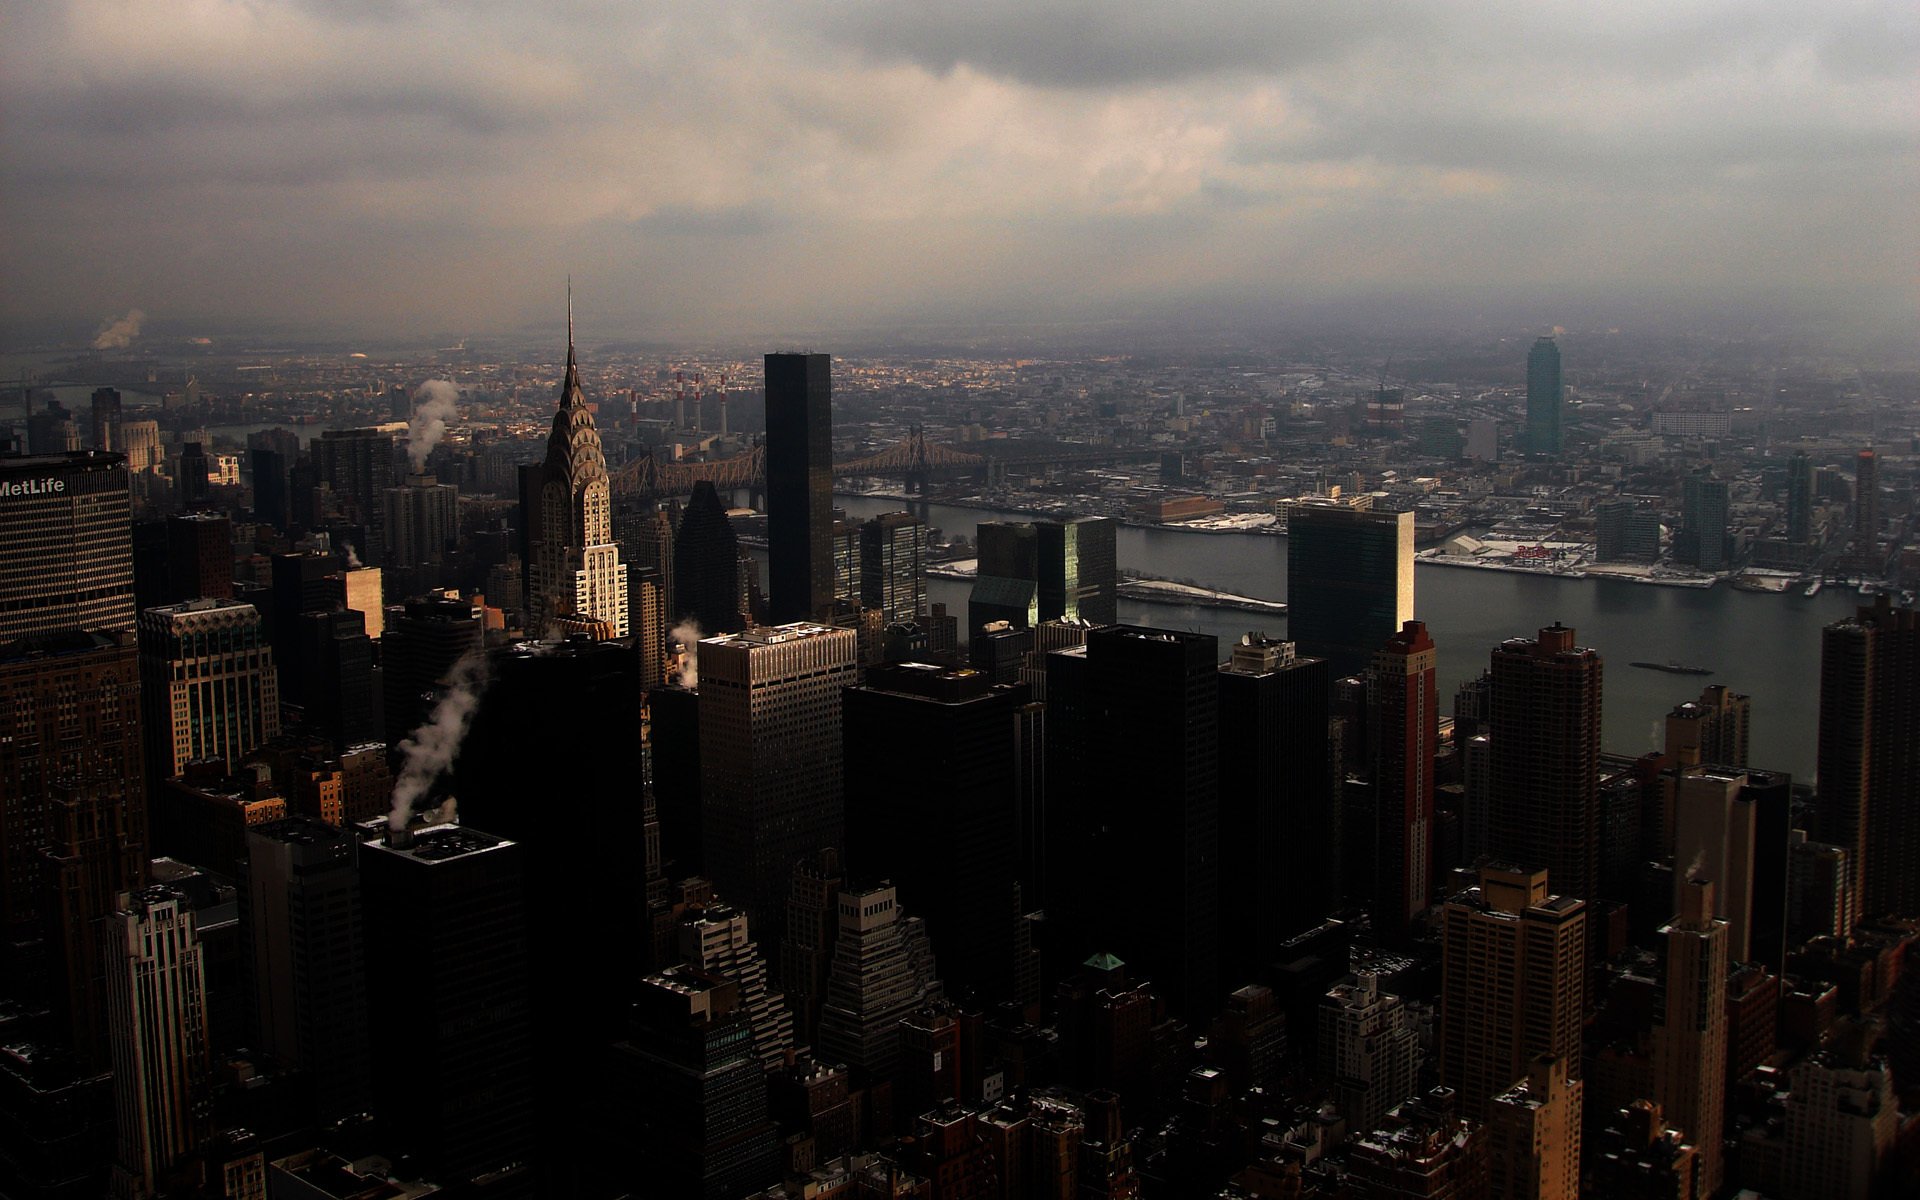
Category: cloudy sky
[733,168]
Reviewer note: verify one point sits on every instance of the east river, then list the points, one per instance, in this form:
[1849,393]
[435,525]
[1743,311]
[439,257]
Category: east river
[1767,646]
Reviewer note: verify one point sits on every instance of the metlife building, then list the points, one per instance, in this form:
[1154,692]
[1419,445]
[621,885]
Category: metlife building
[66,544]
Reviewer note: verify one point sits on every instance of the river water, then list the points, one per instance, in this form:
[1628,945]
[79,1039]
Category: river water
[1767,646]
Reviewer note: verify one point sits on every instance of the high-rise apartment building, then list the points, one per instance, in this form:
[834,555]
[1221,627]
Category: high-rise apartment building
[424,638]
[576,581]
[1276,789]
[1546,399]
[1626,530]
[444,909]
[1534,1134]
[208,686]
[1133,795]
[1370,1048]
[66,544]
[1513,982]
[955,853]
[1800,492]
[1404,724]
[893,566]
[107,412]
[882,970]
[1690,1027]
[342,685]
[770,753]
[1704,539]
[1544,735]
[302,933]
[422,522]
[1869,753]
[1349,582]
[1710,731]
[1717,830]
[1866,506]
[357,466]
[799,486]
[706,565]
[157,1014]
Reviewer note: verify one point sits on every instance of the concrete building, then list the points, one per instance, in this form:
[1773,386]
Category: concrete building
[66,544]
[1544,738]
[1869,754]
[157,1014]
[208,685]
[1712,730]
[882,970]
[714,938]
[1690,1027]
[1370,1048]
[1404,722]
[1534,1135]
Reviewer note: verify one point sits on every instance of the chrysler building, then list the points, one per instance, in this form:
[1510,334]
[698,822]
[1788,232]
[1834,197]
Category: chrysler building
[579,582]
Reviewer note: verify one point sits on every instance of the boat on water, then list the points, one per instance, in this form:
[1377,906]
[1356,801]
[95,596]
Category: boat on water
[1813,589]
[1672,668]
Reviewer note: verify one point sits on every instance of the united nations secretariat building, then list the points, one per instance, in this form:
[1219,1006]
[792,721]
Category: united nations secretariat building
[65,522]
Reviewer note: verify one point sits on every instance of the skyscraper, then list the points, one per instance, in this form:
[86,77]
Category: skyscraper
[893,566]
[1006,582]
[1800,499]
[1276,790]
[1544,735]
[1534,1134]
[1704,539]
[302,934]
[1626,530]
[444,909]
[1133,796]
[706,566]
[770,753]
[1079,571]
[1512,982]
[1869,753]
[715,938]
[1349,582]
[208,686]
[1404,721]
[1370,1046]
[423,522]
[342,700]
[1690,1027]
[882,970]
[577,582]
[799,486]
[1866,506]
[954,852]
[66,544]
[357,464]
[107,415]
[1710,731]
[157,1011]
[424,639]
[1546,400]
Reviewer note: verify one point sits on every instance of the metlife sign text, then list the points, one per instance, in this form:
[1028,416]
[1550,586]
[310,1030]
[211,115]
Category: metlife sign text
[10,488]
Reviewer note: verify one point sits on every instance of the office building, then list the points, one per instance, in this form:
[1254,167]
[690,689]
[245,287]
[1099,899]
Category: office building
[1626,531]
[1513,982]
[695,1094]
[1869,753]
[192,472]
[52,430]
[208,686]
[893,566]
[443,907]
[1404,723]
[201,816]
[1139,718]
[1704,539]
[1276,790]
[424,639]
[1546,399]
[1006,583]
[770,753]
[108,413]
[1690,1026]
[1078,570]
[183,557]
[1800,492]
[157,1012]
[1710,731]
[714,938]
[799,486]
[1349,582]
[356,466]
[272,499]
[1369,1048]
[956,852]
[1717,831]
[301,933]
[844,540]
[1820,890]
[1533,1133]
[813,927]
[73,828]
[422,522]
[706,566]
[342,685]
[1544,741]
[576,581]
[66,544]
[882,969]
[1866,507]
[1425,1149]
[1638,1156]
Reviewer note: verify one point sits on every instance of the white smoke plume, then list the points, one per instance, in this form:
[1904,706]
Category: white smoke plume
[117,333]
[432,748]
[433,407]
[353,556]
[688,634]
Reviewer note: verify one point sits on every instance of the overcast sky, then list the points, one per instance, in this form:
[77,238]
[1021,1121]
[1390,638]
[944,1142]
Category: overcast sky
[809,165]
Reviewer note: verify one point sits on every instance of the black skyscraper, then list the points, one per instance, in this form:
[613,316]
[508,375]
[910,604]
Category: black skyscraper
[675,713]
[453,1063]
[958,742]
[706,564]
[1276,798]
[1136,856]
[421,643]
[270,487]
[342,687]
[799,486]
